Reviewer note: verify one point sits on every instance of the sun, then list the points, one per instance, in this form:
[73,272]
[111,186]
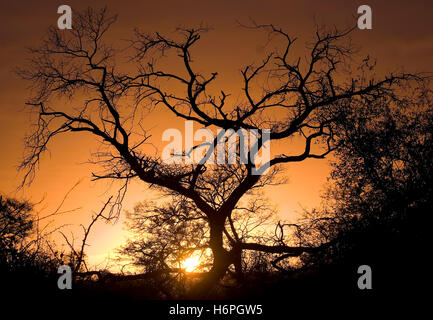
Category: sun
[191,263]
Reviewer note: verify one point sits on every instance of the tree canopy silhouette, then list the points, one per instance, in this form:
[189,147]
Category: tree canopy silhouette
[381,179]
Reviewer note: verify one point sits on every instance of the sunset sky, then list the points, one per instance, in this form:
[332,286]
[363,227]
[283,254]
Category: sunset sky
[401,38]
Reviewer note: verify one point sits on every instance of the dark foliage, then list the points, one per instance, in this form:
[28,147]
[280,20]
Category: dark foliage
[26,269]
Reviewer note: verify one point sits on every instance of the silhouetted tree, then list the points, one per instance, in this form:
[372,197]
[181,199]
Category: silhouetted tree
[16,224]
[26,264]
[165,235]
[380,195]
[291,96]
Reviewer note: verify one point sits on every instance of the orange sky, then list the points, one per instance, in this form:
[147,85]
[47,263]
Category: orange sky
[402,37]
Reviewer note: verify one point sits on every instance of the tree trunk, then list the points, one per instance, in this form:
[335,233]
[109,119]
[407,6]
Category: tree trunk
[236,254]
[221,260]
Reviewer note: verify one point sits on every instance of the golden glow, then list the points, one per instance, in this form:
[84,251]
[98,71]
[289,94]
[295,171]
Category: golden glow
[191,263]
[390,44]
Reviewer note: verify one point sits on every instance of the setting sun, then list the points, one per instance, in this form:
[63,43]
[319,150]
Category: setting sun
[191,263]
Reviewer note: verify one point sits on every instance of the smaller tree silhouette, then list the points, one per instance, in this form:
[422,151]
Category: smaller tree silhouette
[163,236]
[25,258]
[16,225]
[380,195]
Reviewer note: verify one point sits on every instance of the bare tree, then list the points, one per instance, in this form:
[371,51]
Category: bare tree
[291,96]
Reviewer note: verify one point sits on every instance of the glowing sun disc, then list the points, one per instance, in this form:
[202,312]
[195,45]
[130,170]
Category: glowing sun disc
[190,264]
